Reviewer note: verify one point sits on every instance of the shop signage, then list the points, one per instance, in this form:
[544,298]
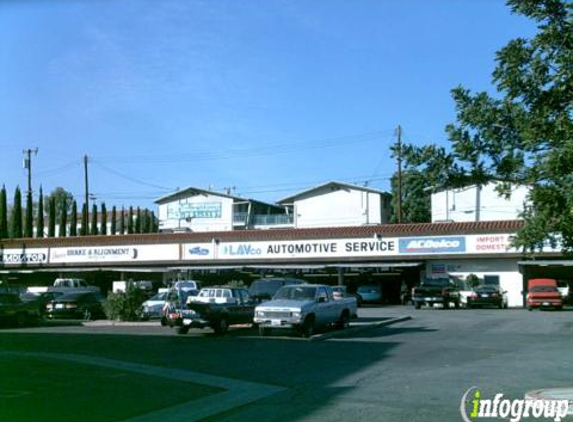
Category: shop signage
[433,245]
[181,210]
[24,256]
[124,253]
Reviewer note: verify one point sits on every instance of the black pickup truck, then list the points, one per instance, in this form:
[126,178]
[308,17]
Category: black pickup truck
[436,290]
[213,307]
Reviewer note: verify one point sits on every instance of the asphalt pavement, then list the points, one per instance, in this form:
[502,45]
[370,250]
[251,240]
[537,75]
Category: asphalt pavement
[414,370]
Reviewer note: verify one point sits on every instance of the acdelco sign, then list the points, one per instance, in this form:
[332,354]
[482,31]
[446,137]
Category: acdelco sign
[425,245]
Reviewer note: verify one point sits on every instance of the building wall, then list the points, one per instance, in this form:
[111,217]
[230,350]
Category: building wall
[199,213]
[510,279]
[460,204]
[336,208]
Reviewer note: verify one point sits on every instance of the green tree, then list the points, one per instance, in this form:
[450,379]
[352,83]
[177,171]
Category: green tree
[103,229]
[63,199]
[113,227]
[3,213]
[122,222]
[52,217]
[130,221]
[40,215]
[29,216]
[137,227]
[62,232]
[416,198]
[16,215]
[524,133]
[84,230]
[94,228]
[154,223]
[145,222]
[74,219]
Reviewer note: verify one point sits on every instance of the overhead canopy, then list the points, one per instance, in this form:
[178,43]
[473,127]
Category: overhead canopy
[548,263]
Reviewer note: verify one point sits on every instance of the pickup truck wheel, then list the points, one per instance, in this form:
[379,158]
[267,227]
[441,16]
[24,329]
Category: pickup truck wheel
[417,305]
[264,331]
[344,321]
[308,326]
[446,305]
[221,326]
[21,319]
[181,330]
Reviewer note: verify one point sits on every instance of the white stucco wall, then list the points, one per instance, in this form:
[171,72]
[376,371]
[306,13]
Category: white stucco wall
[510,279]
[460,204]
[198,206]
[335,208]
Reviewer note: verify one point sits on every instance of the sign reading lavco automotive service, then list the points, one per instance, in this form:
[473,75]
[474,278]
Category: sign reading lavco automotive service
[329,248]
[125,253]
[24,256]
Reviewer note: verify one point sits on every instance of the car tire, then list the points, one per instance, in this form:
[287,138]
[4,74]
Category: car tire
[164,322]
[182,329]
[446,305]
[344,321]
[21,319]
[307,328]
[264,331]
[417,305]
[222,326]
[529,308]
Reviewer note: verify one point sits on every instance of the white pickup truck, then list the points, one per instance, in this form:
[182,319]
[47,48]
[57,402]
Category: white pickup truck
[304,308]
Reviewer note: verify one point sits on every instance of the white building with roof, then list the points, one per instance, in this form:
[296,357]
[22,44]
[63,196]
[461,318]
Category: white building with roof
[336,204]
[478,203]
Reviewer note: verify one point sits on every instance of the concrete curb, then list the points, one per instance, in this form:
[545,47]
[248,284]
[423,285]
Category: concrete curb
[357,329]
[109,323]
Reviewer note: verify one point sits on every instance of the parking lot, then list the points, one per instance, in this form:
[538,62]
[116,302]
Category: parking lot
[415,370]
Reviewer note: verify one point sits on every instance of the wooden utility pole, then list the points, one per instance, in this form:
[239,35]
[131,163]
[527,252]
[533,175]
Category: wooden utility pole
[28,165]
[87,192]
[399,134]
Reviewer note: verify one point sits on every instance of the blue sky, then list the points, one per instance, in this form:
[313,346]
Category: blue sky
[270,97]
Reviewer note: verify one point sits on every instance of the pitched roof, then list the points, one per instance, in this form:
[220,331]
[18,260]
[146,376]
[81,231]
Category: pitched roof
[189,191]
[333,184]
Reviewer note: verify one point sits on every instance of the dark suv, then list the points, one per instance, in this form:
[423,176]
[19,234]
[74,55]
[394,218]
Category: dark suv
[264,289]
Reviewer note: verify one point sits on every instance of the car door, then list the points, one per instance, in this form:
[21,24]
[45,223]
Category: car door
[324,307]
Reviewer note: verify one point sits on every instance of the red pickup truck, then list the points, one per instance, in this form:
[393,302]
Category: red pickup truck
[543,293]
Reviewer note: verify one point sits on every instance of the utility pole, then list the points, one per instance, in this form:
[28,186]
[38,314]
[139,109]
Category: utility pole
[399,134]
[28,165]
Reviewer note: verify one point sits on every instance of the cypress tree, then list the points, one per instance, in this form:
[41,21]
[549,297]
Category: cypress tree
[40,216]
[16,217]
[145,222]
[103,229]
[137,228]
[94,229]
[62,232]
[154,223]
[74,219]
[29,216]
[122,222]
[84,230]
[3,214]
[113,222]
[51,217]
[130,221]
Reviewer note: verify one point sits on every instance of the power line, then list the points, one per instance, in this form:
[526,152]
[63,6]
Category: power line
[132,179]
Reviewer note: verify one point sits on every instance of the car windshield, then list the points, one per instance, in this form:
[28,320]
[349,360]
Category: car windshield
[296,293]
[486,289]
[543,289]
[159,296]
[436,282]
[265,288]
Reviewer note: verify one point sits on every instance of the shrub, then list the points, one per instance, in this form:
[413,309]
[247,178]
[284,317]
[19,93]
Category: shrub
[124,306]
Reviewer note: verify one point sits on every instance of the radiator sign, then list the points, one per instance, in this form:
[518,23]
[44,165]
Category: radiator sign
[431,245]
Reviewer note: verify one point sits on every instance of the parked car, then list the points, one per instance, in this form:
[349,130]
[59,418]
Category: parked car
[14,310]
[304,308]
[40,299]
[264,289]
[543,293]
[157,306]
[370,293]
[431,291]
[488,295]
[214,307]
[76,305]
[563,287]
[68,285]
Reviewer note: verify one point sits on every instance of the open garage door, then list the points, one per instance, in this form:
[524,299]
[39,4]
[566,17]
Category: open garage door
[560,270]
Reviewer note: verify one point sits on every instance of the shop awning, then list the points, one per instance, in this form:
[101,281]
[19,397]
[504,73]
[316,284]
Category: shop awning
[547,263]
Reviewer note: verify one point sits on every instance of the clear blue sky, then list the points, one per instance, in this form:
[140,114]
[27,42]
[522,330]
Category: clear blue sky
[271,97]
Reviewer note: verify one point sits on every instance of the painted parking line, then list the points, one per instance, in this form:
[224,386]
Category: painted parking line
[238,393]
